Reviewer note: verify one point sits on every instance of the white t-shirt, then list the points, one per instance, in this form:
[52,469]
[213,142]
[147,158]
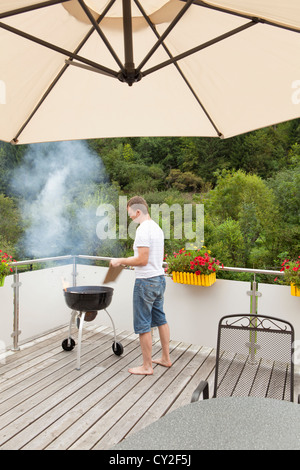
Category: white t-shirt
[149,234]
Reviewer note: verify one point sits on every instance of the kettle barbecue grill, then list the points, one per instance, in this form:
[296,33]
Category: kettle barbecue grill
[85,301]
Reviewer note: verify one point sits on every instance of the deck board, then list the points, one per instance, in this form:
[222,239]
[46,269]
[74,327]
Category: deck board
[45,403]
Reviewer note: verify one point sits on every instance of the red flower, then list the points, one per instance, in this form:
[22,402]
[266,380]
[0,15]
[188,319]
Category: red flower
[191,261]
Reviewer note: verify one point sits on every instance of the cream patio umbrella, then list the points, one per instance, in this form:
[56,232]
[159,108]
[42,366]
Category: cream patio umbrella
[80,69]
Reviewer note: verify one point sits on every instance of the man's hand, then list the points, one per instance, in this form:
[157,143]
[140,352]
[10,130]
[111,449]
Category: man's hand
[116,262]
[140,260]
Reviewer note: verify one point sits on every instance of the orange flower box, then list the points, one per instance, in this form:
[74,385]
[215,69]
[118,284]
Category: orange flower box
[205,280]
[295,290]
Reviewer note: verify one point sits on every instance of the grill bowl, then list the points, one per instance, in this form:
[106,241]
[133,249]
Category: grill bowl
[86,298]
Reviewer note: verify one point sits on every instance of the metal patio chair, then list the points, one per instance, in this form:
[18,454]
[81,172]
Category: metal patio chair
[254,357]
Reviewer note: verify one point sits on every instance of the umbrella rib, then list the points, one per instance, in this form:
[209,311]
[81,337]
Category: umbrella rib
[36,6]
[165,34]
[199,48]
[57,78]
[58,49]
[86,67]
[101,34]
[177,67]
[244,15]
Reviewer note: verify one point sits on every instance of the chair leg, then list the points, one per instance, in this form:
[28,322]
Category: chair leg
[202,388]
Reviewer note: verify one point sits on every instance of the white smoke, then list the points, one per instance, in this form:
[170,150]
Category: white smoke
[53,183]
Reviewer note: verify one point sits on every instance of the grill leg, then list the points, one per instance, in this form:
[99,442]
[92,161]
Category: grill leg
[73,315]
[82,316]
[113,325]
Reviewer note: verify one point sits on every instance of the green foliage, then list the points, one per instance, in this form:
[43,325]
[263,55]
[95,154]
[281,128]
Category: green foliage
[286,188]
[129,172]
[244,212]
[226,241]
[10,224]
[10,157]
[185,181]
[249,185]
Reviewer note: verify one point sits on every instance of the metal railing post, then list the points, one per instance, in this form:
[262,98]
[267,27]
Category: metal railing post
[253,296]
[16,301]
[253,339]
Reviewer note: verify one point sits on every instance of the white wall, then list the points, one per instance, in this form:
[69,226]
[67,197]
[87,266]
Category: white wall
[192,312]
[6,312]
[42,307]
[277,301]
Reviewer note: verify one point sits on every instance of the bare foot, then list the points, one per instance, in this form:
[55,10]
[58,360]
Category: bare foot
[162,362]
[141,371]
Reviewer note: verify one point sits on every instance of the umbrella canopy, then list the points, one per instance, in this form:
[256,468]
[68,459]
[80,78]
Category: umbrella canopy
[80,69]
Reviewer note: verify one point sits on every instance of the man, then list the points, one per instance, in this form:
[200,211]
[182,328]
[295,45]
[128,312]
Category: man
[150,283]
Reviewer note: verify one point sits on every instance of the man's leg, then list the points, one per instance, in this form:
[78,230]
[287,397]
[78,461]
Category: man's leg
[146,347]
[164,335]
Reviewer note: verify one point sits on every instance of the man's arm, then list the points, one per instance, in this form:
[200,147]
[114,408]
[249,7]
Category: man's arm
[140,260]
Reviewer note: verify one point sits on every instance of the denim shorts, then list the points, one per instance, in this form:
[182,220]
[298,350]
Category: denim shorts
[148,302]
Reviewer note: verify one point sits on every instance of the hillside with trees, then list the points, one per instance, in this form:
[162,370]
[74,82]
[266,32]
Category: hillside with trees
[249,185]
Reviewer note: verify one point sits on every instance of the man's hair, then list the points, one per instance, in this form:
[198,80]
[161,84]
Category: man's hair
[139,203]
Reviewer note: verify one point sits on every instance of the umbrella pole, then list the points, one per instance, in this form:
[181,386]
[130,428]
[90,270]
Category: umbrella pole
[127,25]
[130,72]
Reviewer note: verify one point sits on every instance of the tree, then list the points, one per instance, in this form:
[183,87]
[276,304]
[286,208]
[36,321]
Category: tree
[10,225]
[246,199]
[185,181]
[227,242]
[286,188]
[10,158]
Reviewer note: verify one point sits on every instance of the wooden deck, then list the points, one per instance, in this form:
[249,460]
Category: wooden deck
[45,403]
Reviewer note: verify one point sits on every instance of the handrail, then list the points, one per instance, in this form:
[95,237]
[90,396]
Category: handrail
[57,258]
[107,258]
[16,284]
[40,260]
[253,271]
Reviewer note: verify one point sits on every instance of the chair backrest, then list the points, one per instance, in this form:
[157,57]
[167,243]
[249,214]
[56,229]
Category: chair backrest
[255,357]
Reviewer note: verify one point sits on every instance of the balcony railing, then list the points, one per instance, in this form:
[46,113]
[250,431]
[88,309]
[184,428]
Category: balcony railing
[193,312]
